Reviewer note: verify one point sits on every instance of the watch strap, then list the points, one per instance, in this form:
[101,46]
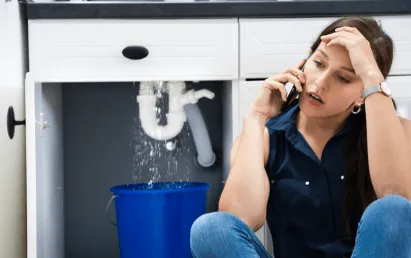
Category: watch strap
[370,90]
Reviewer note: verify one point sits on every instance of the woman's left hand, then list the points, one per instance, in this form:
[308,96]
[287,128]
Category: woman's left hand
[361,55]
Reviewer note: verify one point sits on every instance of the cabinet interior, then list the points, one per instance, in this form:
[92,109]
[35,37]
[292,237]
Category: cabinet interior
[95,141]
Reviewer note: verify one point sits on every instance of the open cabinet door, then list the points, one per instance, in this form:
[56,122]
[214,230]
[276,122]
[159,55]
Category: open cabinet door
[45,184]
[34,163]
[12,149]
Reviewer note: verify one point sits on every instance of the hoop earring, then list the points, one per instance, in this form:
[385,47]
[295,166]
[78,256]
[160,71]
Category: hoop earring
[356,111]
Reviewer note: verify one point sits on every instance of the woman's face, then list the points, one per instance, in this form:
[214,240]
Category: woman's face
[331,78]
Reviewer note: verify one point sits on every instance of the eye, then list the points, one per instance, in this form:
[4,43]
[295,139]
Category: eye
[342,79]
[318,63]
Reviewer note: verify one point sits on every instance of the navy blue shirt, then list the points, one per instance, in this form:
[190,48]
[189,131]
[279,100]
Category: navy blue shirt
[304,210]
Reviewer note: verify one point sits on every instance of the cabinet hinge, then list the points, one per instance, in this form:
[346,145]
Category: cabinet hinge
[42,123]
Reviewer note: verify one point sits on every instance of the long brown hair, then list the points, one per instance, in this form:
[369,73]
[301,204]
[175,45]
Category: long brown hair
[357,189]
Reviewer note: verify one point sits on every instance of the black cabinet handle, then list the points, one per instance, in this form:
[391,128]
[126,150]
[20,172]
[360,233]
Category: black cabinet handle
[135,52]
[11,122]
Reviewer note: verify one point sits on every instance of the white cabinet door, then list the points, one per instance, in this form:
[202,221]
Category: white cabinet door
[12,151]
[247,93]
[2,41]
[12,177]
[401,92]
[268,46]
[399,29]
[45,186]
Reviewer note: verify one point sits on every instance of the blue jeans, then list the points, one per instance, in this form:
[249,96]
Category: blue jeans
[383,232]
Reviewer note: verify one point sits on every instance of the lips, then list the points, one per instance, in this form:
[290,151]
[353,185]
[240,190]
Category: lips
[314,97]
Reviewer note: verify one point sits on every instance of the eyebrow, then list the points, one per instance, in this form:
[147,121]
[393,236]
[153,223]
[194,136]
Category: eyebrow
[342,67]
[348,69]
[324,54]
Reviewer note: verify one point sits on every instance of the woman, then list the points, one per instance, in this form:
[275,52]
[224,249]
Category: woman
[331,173]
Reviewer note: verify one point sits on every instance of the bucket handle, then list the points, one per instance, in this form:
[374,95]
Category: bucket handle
[107,208]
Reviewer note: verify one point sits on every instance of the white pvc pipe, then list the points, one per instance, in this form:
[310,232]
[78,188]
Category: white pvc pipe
[205,153]
[176,116]
[147,111]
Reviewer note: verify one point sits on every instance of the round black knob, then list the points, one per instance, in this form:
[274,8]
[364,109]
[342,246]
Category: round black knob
[135,52]
[11,122]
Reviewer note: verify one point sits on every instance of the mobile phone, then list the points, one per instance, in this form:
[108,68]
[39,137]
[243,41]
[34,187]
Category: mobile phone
[293,91]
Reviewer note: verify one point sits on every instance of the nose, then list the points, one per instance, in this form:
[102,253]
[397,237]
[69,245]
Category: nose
[323,81]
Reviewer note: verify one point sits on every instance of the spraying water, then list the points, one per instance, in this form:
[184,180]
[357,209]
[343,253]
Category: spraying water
[159,161]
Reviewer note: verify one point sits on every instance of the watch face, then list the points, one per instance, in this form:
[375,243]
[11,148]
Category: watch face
[385,88]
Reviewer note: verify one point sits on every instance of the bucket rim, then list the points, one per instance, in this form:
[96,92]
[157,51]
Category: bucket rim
[128,189]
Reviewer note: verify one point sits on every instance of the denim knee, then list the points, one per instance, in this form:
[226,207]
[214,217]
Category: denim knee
[384,229]
[392,214]
[204,228]
[212,230]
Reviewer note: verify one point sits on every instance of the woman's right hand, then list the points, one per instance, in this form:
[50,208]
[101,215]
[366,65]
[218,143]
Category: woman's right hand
[273,94]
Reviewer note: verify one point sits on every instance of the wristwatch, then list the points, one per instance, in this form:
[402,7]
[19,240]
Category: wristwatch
[380,87]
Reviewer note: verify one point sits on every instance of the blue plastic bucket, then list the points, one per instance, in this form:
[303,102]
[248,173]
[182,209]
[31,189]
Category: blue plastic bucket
[154,220]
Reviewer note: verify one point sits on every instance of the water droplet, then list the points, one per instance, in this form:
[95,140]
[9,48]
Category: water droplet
[170,146]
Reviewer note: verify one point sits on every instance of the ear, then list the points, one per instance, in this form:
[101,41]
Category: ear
[359,101]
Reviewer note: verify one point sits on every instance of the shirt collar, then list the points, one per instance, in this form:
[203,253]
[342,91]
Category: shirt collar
[287,121]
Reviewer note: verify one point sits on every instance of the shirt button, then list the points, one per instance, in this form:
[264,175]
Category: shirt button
[272,181]
[307,183]
[342,177]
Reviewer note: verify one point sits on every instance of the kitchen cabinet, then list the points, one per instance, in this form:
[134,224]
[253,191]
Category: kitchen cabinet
[80,105]
[269,45]
[83,129]
[12,151]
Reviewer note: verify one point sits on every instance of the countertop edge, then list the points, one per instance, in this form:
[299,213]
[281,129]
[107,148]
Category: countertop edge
[252,9]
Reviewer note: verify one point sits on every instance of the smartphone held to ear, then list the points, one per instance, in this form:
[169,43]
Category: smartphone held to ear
[294,92]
